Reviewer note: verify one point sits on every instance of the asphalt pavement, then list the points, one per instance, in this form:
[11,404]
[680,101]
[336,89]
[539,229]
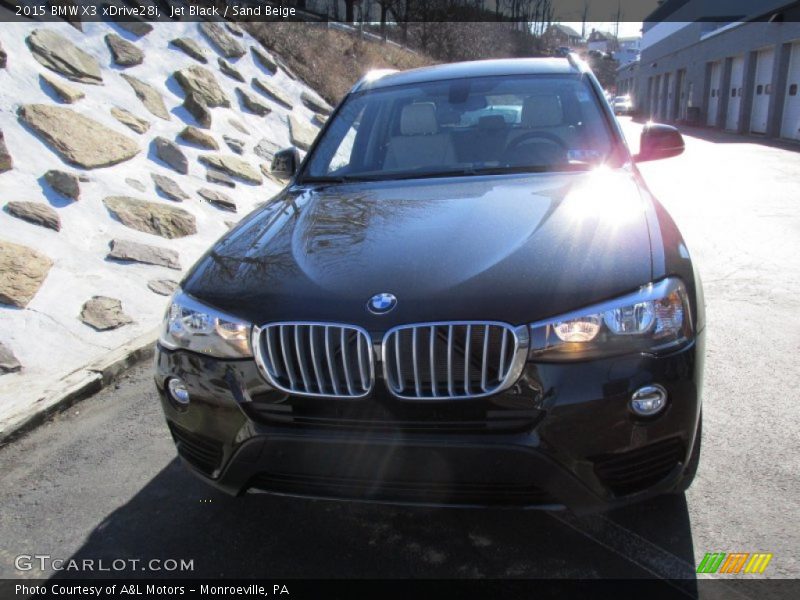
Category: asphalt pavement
[102,481]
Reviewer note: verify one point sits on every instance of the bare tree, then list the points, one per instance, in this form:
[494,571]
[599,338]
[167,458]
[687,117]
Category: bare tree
[349,13]
[584,16]
[541,16]
[403,16]
[386,6]
[545,12]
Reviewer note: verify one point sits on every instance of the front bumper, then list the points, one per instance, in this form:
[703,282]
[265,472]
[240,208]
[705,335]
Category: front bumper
[562,437]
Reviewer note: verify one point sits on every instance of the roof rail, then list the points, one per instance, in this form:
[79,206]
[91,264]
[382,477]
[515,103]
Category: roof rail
[371,76]
[577,62]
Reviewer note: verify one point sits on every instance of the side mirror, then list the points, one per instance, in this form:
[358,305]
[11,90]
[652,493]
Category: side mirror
[659,141]
[285,163]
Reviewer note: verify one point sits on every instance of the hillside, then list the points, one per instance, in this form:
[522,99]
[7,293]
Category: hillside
[107,197]
[332,60]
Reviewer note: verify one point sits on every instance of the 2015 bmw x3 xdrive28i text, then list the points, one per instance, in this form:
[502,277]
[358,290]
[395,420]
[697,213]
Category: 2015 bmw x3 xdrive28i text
[464,296]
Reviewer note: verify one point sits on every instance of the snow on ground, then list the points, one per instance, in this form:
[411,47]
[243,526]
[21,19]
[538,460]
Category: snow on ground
[47,337]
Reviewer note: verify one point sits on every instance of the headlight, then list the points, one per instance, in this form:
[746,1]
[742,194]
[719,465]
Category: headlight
[196,327]
[654,319]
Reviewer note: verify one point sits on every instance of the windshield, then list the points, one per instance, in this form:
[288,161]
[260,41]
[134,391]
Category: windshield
[467,126]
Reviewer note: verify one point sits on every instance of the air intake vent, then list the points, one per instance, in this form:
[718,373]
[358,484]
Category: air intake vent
[440,361]
[638,469]
[316,359]
[202,452]
[449,493]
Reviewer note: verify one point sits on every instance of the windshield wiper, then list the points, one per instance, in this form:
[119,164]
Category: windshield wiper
[342,179]
[335,179]
[554,168]
[464,172]
[470,171]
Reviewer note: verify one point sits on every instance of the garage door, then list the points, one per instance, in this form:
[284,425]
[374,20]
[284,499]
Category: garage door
[713,94]
[682,99]
[656,98]
[666,95]
[790,127]
[762,90]
[735,93]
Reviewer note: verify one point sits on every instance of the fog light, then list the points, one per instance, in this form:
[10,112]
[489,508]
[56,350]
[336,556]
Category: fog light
[177,391]
[649,400]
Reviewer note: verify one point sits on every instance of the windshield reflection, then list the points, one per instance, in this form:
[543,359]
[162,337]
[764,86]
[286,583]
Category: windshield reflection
[464,127]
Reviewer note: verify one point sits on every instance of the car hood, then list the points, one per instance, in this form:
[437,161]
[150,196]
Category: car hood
[507,248]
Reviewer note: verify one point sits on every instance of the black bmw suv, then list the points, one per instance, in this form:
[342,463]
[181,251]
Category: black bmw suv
[465,296]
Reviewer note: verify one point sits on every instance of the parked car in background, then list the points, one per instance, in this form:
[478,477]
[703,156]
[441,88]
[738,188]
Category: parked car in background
[622,105]
[481,311]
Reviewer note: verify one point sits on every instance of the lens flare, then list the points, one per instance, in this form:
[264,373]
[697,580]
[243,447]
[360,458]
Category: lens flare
[604,196]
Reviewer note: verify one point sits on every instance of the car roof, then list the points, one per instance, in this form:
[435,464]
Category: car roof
[477,68]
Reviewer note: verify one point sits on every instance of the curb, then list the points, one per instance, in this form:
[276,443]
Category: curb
[81,384]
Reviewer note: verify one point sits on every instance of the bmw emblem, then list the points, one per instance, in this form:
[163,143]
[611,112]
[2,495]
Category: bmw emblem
[381,304]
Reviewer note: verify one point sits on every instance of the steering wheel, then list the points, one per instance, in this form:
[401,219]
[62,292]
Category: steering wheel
[550,137]
[555,151]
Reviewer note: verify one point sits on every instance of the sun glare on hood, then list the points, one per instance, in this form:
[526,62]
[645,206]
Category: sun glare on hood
[604,196]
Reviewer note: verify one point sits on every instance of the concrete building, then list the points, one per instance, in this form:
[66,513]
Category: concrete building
[628,49]
[731,68]
[627,79]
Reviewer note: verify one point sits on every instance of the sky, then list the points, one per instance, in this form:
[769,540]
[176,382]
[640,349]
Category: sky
[626,28]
